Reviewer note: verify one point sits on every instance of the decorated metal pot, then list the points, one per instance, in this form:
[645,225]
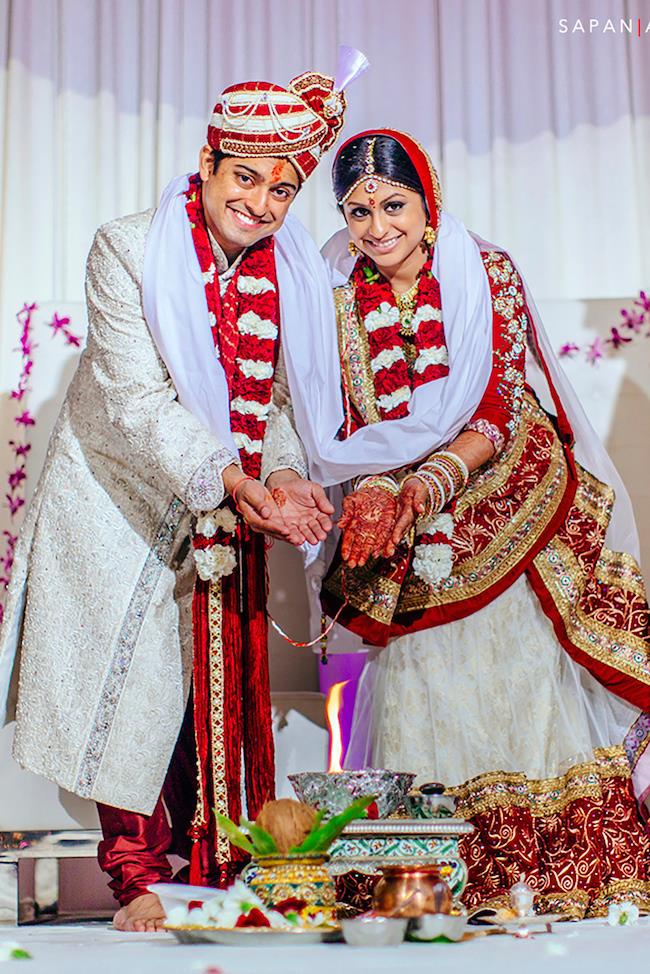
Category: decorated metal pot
[278,877]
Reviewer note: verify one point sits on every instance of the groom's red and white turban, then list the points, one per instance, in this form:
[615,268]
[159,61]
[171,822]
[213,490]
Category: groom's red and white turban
[299,122]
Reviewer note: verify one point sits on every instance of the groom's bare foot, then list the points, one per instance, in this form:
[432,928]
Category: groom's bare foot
[144,914]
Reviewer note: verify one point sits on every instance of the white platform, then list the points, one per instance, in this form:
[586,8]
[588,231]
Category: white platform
[591,947]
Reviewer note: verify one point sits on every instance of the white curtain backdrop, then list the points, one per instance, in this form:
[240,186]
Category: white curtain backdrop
[542,140]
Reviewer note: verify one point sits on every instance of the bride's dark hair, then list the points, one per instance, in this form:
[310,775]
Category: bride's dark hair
[390,159]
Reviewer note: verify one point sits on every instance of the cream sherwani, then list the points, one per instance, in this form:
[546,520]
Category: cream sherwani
[97,634]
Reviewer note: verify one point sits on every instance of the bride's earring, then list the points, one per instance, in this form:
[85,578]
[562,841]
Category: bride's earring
[430,235]
[352,248]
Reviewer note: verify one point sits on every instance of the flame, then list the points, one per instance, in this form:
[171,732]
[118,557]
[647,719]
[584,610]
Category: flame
[333,706]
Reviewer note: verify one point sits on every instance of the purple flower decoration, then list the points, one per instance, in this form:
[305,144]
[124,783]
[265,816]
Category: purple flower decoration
[643,301]
[595,350]
[569,349]
[25,419]
[16,477]
[616,339]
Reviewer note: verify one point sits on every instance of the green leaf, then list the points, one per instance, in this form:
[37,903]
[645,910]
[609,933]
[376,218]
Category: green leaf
[19,953]
[320,839]
[263,842]
[235,834]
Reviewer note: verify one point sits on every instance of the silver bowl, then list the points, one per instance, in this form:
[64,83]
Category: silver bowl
[334,791]
[438,926]
[430,806]
[373,931]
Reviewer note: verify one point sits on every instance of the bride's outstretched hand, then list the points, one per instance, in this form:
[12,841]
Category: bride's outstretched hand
[367,524]
[411,505]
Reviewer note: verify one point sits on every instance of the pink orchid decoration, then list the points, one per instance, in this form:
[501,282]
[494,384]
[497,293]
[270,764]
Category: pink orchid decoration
[595,350]
[20,447]
[631,324]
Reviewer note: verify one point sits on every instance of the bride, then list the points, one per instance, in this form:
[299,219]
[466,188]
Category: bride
[487,550]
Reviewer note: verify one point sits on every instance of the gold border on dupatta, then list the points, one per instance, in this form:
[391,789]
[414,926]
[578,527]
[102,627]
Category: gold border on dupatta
[217,710]
[355,353]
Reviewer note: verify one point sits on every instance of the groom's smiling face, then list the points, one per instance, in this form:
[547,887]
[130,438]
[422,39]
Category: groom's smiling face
[245,199]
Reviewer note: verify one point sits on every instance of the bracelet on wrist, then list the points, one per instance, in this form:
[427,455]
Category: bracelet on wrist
[382,481]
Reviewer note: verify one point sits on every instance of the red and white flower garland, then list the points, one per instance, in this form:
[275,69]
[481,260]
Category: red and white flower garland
[381,319]
[245,329]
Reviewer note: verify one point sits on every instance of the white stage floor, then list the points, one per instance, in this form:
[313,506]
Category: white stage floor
[591,947]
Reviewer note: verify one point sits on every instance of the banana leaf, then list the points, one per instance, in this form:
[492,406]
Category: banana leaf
[235,834]
[320,839]
[263,842]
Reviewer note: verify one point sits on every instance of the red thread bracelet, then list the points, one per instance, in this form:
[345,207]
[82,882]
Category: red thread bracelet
[233,492]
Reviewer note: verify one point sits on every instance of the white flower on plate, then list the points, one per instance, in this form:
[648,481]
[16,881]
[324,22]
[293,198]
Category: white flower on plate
[393,399]
[251,324]
[624,914]
[386,358]
[385,316]
[213,563]
[254,285]
[11,950]
[426,313]
[436,355]
[433,562]
[441,522]
[254,369]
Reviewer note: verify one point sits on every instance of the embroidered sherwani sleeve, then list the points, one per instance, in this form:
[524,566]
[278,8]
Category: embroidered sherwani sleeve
[161,440]
[283,449]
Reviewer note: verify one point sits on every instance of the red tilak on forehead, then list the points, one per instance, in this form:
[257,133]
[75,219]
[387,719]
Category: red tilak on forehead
[276,172]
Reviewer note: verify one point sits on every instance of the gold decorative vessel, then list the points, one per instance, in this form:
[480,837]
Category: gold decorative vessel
[278,877]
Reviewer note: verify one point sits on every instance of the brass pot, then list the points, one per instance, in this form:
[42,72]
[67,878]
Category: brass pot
[411,891]
[281,877]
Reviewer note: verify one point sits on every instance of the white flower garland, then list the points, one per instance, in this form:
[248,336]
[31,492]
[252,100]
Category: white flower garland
[254,285]
[250,323]
[386,358]
[434,562]
[426,313]
[210,522]
[393,399]
[255,369]
[385,316]
[215,562]
[250,407]
[436,355]
[244,442]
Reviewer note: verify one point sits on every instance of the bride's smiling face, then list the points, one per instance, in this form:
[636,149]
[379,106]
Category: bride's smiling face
[387,225]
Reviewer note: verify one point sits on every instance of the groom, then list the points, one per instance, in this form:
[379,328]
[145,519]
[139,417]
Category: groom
[177,424]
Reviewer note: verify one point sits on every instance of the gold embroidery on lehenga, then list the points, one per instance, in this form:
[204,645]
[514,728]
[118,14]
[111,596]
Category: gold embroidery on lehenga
[565,580]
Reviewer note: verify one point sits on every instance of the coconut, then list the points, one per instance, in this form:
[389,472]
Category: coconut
[289,822]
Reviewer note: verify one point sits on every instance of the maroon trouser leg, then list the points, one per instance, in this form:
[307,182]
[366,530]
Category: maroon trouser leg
[135,848]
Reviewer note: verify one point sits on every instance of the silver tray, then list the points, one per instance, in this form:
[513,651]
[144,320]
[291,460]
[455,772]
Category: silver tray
[252,936]
[409,826]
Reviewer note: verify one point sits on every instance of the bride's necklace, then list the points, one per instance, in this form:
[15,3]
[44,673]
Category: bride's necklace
[406,303]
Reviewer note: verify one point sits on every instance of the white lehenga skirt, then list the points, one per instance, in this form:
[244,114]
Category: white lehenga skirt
[494,691]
